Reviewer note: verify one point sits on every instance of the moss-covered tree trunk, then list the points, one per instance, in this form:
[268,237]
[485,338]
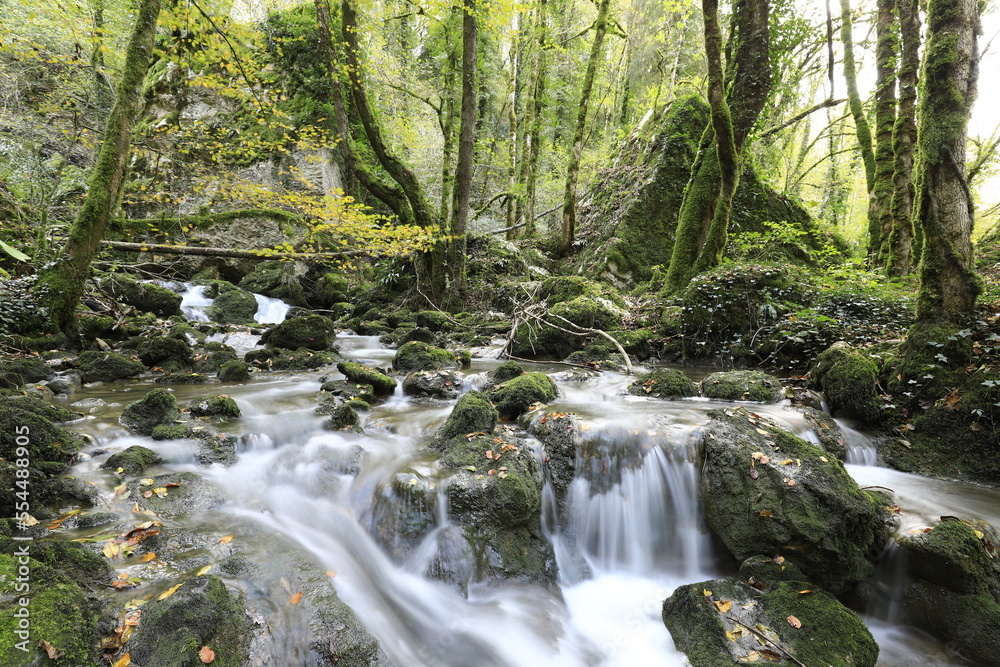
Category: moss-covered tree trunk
[536,108]
[703,221]
[573,169]
[900,255]
[861,127]
[63,283]
[948,283]
[880,204]
[466,152]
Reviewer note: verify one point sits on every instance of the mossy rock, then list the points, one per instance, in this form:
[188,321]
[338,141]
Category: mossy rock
[93,326]
[346,388]
[956,555]
[663,383]
[302,359]
[29,422]
[234,371]
[804,504]
[17,371]
[313,332]
[755,386]
[172,431]
[829,632]
[560,438]
[233,306]
[107,366]
[216,354]
[202,612]
[515,396]
[259,357]
[930,362]
[169,353]
[157,407]
[183,378]
[557,289]
[189,493]
[472,413]
[508,370]
[419,334]
[418,356]
[343,417]
[327,291]
[278,280]
[218,407]
[433,384]
[354,372]
[146,297]
[849,380]
[187,333]
[434,320]
[133,460]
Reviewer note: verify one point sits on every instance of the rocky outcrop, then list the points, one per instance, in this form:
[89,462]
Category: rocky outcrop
[849,380]
[755,386]
[313,332]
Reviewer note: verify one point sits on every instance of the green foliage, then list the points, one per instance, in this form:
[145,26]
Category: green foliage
[780,240]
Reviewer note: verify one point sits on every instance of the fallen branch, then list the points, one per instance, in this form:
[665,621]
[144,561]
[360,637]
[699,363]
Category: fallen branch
[564,363]
[225,252]
[522,224]
[599,332]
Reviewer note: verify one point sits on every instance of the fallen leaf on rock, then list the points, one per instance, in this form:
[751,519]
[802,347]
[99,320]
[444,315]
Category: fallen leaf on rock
[203,570]
[766,514]
[768,654]
[147,494]
[785,462]
[226,540]
[123,661]
[112,549]
[752,656]
[170,591]
[148,557]
[331,573]
[295,598]
[794,622]
[754,474]
[722,605]
[50,650]
[805,591]
[206,654]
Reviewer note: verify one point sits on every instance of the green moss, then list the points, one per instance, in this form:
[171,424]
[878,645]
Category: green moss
[343,417]
[144,296]
[259,357]
[184,331]
[312,332]
[157,407]
[61,614]
[279,280]
[95,326]
[508,370]
[300,359]
[107,366]
[169,353]
[515,396]
[221,407]
[171,431]
[17,371]
[234,371]
[848,378]
[417,356]
[354,372]
[134,460]
[233,306]
[754,386]
[472,413]
[26,421]
[663,383]
[419,334]
[434,320]
[215,359]
[346,388]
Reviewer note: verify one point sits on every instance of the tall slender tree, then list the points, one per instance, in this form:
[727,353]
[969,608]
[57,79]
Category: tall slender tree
[880,204]
[64,281]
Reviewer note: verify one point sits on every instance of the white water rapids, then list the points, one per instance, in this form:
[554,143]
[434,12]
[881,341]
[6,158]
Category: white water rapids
[621,546]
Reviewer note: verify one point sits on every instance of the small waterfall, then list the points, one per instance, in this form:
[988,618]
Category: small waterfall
[270,311]
[860,450]
[889,585]
[194,303]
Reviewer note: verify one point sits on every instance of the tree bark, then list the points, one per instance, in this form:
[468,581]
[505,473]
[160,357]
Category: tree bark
[948,283]
[466,152]
[64,282]
[573,169]
[861,127]
[904,140]
[537,106]
[880,204]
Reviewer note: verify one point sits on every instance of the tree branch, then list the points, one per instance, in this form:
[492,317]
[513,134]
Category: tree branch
[799,116]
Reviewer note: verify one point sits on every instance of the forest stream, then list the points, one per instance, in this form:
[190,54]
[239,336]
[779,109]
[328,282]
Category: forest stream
[302,499]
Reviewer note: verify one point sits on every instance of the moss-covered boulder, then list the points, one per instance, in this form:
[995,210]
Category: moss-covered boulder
[418,356]
[434,320]
[133,460]
[508,370]
[214,356]
[186,493]
[560,436]
[17,371]
[354,372]
[433,384]
[755,386]
[802,502]
[419,334]
[233,306]
[348,390]
[849,380]
[283,280]
[473,413]
[663,383]
[955,587]
[146,297]
[515,396]
[157,407]
[217,407]
[202,612]
[302,359]
[107,366]
[234,371]
[313,332]
[709,623]
[576,305]
[343,417]
[171,354]
[27,422]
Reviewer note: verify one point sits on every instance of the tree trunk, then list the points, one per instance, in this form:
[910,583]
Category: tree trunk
[537,106]
[900,259]
[703,220]
[64,282]
[573,170]
[880,204]
[861,128]
[466,151]
[948,283]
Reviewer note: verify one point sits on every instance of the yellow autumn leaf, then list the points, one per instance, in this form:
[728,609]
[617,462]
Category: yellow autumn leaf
[123,661]
[203,570]
[148,557]
[227,539]
[170,591]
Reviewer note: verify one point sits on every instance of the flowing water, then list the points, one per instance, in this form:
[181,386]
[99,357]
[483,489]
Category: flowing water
[300,500]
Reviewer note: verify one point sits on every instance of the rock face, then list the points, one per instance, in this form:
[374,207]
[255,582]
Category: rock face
[663,383]
[768,492]
[313,332]
[742,386]
[849,379]
[15,372]
[955,587]
[726,622]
